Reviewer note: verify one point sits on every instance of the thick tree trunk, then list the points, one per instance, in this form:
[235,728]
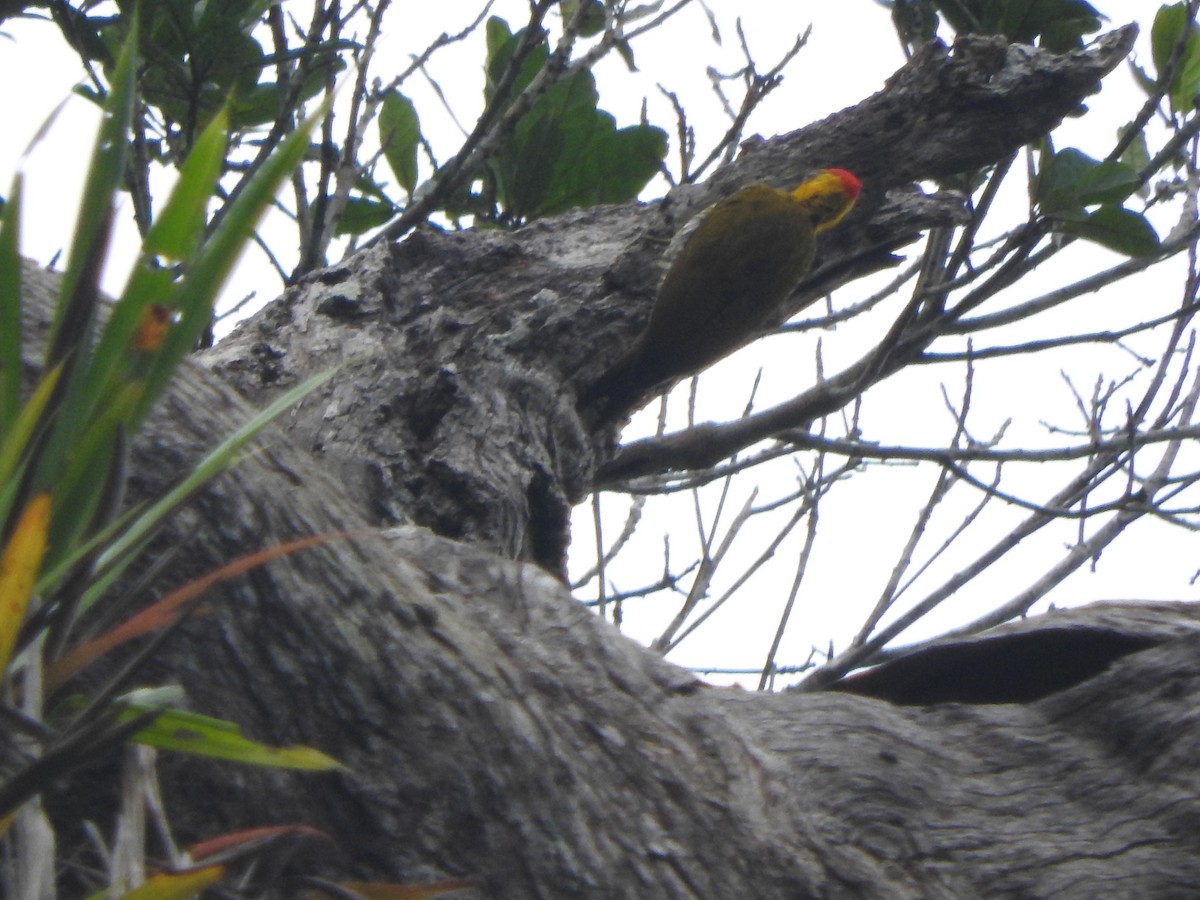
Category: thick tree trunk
[494,729]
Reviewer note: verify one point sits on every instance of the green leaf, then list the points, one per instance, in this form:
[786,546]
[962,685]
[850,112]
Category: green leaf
[199,55]
[186,732]
[83,34]
[497,34]
[593,15]
[400,135]
[10,310]
[113,391]
[1168,30]
[76,310]
[1118,229]
[362,214]
[618,165]
[1165,33]
[177,231]
[17,436]
[79,289]
[260,104]
[88,463]
[366,186]
[1071,180]
[1187,82]
[502,47]
[1136,157]
[526,163]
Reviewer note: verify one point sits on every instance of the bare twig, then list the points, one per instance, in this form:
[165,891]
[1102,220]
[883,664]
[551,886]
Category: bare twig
[810,539]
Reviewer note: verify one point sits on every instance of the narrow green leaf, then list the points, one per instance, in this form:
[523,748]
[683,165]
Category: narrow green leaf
[78,292]
[187,732]
[81,484]
[124,538]
[196,294]
[10,310]
[177,231]
[100,581]
[175,236]
[400,135]
[117,359]
[16,438]
[75,313]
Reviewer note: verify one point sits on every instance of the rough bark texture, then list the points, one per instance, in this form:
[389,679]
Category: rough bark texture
[495,729]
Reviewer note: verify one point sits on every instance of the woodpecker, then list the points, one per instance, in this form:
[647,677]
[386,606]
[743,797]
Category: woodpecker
[746,255]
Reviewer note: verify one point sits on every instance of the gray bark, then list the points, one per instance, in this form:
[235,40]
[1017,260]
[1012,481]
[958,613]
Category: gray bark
[493,728]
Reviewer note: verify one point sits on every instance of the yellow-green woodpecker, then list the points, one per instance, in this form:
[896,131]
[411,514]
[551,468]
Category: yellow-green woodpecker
[747,254]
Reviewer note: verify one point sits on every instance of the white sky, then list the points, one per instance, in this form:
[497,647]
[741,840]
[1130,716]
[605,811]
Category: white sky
[851,51]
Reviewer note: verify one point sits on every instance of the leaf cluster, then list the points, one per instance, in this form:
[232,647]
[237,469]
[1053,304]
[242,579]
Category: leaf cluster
[64,535]
[1058,25]
[1069,182]
[564,152]
[198,60]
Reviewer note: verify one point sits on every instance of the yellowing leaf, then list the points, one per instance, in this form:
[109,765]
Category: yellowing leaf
[186,732]
[18,571]
[176,885]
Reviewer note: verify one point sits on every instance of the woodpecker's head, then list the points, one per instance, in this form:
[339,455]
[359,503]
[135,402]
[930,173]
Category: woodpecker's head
[828,196]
